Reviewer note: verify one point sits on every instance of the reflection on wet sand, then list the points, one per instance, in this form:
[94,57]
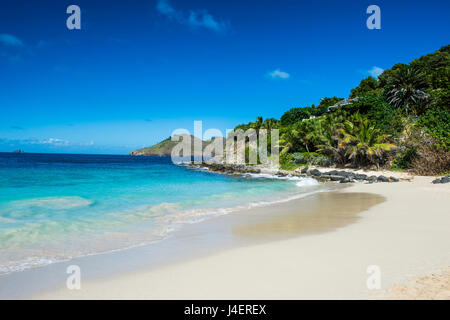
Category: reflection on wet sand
[321,212]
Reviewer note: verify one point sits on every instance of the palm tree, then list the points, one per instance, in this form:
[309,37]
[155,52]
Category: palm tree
[362,141]
[269,124]
[316,134]
[288,140]
[328,141]
[407,91]
[257,124]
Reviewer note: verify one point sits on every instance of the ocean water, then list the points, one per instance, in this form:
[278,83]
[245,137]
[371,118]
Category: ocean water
[54,207]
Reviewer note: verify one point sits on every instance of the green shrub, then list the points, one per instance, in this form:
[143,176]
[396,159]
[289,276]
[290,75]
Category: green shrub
[295,115]
[404,158]
[311,158]
[287,163]
[374,105]
[436,122]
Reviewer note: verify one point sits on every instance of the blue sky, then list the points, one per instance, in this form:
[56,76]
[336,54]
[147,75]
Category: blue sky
[139,69]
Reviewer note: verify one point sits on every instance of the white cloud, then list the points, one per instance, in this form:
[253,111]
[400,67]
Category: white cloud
[278,74]
[194,19]
[55,142]
[10,40]
[375,71]
[45,143]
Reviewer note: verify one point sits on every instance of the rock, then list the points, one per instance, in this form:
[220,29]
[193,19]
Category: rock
[346,180]
[336,178]
[361,176]
[445,179]
[382,179]
[346,174]
[315,172]
[436,181]
[342,173]
[393,179]
[305,170]
[333,173]
[372,179]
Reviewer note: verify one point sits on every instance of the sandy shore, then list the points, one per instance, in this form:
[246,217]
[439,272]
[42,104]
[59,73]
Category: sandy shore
[432,287]
[406,236]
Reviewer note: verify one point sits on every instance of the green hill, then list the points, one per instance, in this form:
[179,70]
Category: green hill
[164,148]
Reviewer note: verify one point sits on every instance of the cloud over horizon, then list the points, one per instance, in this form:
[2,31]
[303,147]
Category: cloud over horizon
[195,18]
[49,142]
[278,74]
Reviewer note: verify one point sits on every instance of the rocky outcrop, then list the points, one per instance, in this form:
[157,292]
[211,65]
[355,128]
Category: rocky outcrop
[343,176]
[228,168]
[445,179]
[340,176]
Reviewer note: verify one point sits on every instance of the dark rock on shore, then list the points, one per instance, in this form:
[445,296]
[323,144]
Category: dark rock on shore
[336,178]
[361,176]
[341,176]
[445,179]
[230,169]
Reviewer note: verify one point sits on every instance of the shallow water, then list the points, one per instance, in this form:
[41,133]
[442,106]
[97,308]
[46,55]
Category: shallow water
[56,207]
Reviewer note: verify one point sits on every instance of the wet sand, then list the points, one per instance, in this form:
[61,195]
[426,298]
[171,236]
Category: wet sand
[319,213]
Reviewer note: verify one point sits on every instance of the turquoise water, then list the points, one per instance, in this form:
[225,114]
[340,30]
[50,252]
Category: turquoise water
[56,207]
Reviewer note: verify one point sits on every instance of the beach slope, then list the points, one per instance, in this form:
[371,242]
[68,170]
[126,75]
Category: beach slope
[404,237]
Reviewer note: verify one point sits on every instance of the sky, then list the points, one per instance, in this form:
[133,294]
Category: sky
[139,69]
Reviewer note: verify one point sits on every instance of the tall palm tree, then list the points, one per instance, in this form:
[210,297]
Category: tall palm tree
[269,124]
[330,142]
[288,140]
[316,134]
[362,141]
[407,91]
[258,123]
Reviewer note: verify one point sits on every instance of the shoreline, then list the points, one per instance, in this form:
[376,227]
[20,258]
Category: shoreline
[170,243]
[406,236]
[323,174]
[204,214]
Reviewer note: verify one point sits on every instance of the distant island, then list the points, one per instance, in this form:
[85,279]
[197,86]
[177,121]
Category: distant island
[164,148]
[18,151]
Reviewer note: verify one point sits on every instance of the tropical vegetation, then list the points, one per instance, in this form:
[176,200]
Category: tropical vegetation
[401,120]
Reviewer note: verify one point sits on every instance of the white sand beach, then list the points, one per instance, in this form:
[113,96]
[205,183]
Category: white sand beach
[406,236]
